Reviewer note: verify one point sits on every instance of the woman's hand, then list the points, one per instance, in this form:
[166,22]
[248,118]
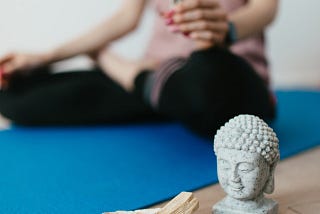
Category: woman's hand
[19,63]
[201,20]
[22,62]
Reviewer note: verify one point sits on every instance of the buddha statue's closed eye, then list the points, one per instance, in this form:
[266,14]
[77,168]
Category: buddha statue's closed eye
[247,152]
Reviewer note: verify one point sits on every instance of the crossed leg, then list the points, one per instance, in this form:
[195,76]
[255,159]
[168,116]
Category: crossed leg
[121,70]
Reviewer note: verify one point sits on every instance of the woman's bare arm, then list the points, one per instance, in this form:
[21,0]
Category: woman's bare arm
[121,23]
[253,17]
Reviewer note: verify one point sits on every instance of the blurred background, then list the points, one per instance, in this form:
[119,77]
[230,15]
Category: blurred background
[37,25]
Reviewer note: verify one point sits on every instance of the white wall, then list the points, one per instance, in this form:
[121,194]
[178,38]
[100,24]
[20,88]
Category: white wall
[294,44]
[35,25]
[40,24]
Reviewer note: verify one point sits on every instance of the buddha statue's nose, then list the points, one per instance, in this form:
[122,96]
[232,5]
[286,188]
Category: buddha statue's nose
[235,176]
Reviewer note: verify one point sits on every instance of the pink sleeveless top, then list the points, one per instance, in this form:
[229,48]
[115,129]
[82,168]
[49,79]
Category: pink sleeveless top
[165,45]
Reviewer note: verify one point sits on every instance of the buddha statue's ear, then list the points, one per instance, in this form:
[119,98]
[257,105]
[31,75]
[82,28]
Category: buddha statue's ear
[269,187]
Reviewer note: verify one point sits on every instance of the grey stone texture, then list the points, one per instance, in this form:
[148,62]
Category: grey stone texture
[247,151]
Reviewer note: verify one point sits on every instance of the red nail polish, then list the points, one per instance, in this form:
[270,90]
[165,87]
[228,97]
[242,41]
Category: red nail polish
[186,34]
[171,13]
[169,21]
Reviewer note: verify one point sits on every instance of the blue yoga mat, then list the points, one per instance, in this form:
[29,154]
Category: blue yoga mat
[94,169]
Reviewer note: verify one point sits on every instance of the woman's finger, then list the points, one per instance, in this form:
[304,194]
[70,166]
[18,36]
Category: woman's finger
[6,58]
[207,35]
[195,4]
[220,27]
[9,68]
[198,14]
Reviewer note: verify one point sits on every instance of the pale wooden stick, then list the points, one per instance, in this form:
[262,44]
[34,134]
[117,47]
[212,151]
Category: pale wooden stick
[184,203]
[180,204]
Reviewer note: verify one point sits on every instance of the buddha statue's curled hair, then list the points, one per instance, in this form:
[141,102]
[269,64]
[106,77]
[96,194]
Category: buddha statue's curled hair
[248,133]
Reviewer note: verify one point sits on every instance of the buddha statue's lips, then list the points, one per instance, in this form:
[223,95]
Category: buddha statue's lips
[235,187]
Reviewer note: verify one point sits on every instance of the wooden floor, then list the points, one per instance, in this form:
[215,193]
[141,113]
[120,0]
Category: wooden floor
[297,187]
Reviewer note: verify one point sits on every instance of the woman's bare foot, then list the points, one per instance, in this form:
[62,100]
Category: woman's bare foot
[4,123]
[121,70]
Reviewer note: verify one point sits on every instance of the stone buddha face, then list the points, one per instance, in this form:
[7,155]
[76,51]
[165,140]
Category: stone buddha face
[242,175]
[247,152]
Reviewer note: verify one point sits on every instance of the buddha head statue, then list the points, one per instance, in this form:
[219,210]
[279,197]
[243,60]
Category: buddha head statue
[247,153]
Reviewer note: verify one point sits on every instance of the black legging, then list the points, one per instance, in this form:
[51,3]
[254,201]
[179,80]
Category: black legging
[213,86]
